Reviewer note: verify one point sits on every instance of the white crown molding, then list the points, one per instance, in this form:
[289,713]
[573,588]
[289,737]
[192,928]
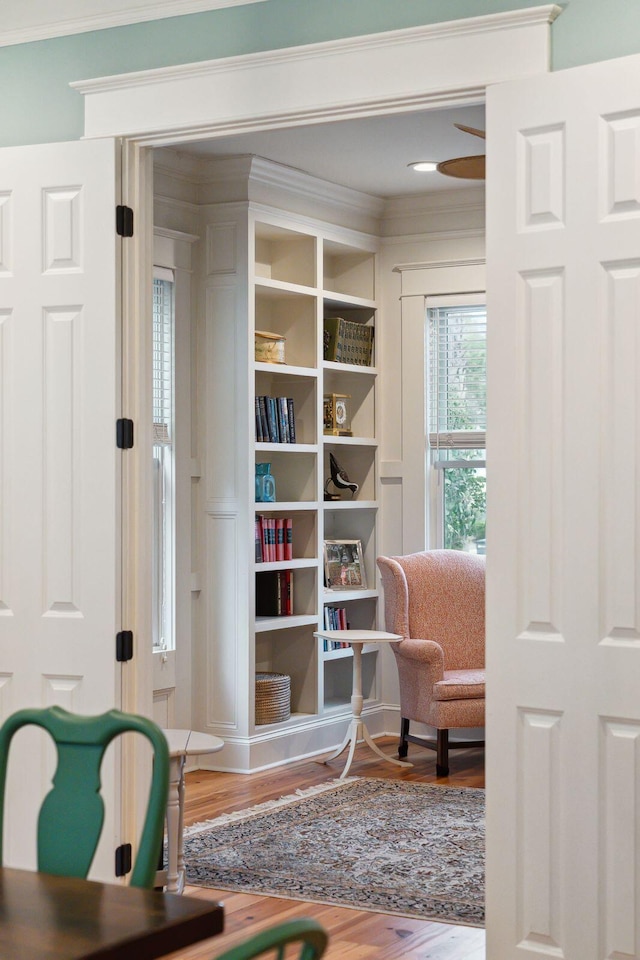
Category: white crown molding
[489,23]
[470,233]
[28,22]
[303,184]
[439,264]
[216,175]
[444,214]
[178,235]
[400,70]
[455,200]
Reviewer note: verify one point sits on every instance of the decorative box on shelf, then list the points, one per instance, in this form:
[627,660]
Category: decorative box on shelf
[337,414]
[346,341]
[269,347]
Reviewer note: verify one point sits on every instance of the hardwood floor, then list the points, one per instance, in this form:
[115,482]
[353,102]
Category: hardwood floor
[353,934]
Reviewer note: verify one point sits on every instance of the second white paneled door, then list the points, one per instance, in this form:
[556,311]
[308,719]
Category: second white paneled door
[563,624]
[59,467]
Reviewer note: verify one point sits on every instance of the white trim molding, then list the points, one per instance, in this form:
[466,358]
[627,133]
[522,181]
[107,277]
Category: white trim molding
[401,70]
[41,20]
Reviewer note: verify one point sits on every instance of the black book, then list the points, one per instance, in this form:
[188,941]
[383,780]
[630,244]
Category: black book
[292,420]
[268,600]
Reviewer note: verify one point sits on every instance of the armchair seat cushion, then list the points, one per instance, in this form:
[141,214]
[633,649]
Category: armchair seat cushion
[460,685]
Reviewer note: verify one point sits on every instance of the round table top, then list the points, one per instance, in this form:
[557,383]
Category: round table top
[191,742]
[359,636]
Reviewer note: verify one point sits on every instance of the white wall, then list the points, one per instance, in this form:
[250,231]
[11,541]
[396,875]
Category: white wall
[432,245]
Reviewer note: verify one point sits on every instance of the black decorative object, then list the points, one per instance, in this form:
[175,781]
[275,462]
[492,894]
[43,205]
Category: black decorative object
[339,479]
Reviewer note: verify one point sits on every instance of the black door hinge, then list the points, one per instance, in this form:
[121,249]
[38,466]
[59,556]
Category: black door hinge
[124,221]
[124,646]
[123,860]
[124,434]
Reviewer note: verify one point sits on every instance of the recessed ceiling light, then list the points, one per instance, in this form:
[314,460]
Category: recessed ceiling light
[423,166]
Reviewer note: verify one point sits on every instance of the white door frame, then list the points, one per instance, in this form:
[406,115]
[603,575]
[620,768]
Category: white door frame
[429,67]
[402,71]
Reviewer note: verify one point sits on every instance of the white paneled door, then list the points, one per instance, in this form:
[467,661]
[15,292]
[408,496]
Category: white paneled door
[59,468]
[563,590]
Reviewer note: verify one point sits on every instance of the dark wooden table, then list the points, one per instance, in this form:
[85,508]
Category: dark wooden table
[59,918]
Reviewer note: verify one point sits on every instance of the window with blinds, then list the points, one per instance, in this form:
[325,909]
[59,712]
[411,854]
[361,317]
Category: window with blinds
[163,460]
[457,420]
[162,360]
[457,375]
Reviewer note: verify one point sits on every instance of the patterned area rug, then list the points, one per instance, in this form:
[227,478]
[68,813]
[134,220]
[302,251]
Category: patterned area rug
[411,849]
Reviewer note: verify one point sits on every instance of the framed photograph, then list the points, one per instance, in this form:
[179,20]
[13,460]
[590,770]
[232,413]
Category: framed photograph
[344,565]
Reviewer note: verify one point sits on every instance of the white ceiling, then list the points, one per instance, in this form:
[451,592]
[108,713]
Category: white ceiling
[370,154]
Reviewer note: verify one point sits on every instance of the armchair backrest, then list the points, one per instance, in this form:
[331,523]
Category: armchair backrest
[72,814]
[438,595]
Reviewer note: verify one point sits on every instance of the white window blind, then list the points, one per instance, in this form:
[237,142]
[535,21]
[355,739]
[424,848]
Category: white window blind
[456,375]
[162,360]
[163,460]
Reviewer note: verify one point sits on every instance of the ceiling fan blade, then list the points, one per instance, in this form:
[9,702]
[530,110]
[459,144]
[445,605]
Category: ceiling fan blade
[465,168]
[473,130]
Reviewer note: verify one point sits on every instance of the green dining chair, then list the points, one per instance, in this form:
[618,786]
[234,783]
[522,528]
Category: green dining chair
[310,935]
[71,817]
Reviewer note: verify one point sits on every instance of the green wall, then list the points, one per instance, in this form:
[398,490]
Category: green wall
[39,106]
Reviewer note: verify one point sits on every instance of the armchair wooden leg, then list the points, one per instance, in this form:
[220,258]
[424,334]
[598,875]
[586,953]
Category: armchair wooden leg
[403,746]
[442,753]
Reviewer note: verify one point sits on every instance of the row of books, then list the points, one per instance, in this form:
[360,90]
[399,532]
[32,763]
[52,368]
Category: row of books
[275,420]
[335,618]
[274,538]
[346,341]
[274,593]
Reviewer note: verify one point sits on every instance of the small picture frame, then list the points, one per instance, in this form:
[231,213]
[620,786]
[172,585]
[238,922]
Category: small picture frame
[344,565]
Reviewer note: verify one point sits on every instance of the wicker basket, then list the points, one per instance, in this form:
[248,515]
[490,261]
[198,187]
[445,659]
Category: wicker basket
[273,697]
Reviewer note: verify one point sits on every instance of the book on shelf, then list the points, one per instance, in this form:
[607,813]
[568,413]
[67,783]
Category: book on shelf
[288,538]
[274,593]
[275,420]
[291,420]
[345,341]
[259,545]
[335,618]
[279,538]
[274,538]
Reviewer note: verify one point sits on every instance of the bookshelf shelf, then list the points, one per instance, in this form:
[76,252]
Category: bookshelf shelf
[336,300]
[285,564]
[349,505]
[281,288]
[285,370]
[349,441]
[263,446]
[332,366]
[283,506]
[345,596]
[285,623]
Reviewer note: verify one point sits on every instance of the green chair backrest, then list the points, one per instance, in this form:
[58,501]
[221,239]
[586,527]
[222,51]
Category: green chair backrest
[72,814]
[311,936]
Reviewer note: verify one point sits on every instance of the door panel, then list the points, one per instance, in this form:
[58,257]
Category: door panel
[563,603]
[59,468]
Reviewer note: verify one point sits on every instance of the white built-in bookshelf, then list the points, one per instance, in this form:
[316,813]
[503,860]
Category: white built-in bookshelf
[287,273]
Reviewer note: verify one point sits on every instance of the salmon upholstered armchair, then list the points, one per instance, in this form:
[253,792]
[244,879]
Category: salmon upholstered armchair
[435,601]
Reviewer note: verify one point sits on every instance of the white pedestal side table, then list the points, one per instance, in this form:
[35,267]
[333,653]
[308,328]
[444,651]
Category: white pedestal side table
[357,729]
[182,744]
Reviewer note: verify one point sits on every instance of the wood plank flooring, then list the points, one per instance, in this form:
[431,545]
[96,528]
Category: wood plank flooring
[353,934]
